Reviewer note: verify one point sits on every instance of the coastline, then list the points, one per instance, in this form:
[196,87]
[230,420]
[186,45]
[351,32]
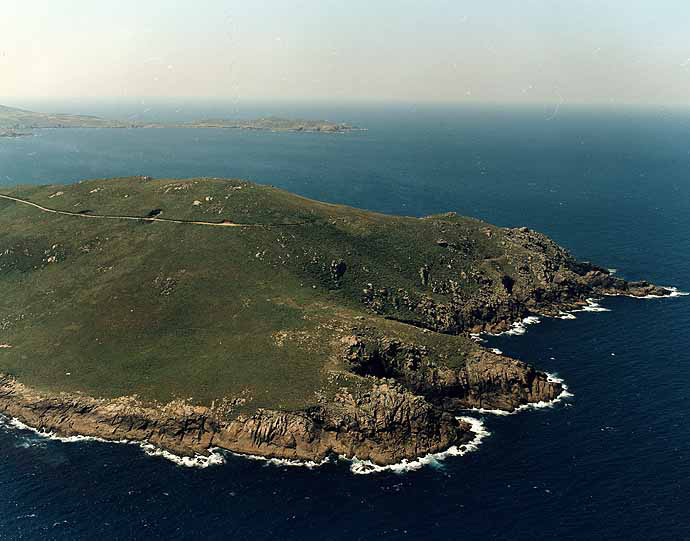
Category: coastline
[196,436]
[189,434]
[519,327]
[565,394]
[216,456]
[197,461]
[409,369]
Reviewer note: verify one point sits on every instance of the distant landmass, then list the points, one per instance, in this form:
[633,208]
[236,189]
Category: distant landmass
[12,133]
[13,120]
[203,313]
[20,119]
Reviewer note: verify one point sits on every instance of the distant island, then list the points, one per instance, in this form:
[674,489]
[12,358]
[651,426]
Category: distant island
[212,313]
[12,120]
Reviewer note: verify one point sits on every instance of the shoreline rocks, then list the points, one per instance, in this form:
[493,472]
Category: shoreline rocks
[384,424]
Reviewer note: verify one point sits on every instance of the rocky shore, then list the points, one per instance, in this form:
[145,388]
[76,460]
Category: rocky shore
[385,424]
[546,281]
[408,412]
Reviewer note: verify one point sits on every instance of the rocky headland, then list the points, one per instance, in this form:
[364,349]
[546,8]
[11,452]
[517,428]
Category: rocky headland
[308,330]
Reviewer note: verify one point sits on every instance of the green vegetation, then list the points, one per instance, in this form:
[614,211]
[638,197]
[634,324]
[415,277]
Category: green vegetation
[164,310]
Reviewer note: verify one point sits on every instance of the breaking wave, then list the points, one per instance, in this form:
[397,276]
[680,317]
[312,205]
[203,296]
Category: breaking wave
[591,306]
[674,293]
[518,327]
[565,393]
[365,467]
[566,315]
[310,464]
[214,458]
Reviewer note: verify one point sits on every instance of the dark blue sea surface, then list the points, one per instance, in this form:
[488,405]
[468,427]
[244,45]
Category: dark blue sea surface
[612,462]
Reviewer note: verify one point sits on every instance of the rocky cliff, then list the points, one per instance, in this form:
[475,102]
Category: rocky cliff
[531,275]
[384,424]
[485,380]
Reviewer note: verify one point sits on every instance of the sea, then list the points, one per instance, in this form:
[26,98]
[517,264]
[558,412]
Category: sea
[612,461]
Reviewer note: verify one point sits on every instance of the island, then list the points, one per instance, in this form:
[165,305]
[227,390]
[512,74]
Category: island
[20,119]
[218,313]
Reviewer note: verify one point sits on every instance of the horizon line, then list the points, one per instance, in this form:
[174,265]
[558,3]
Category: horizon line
[14,101]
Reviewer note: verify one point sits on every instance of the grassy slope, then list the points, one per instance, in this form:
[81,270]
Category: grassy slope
[176,310]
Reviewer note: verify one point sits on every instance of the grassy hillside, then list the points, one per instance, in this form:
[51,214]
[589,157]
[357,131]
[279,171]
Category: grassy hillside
[163,310]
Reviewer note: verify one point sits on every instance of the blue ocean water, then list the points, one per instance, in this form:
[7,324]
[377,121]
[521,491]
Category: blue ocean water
[612,462]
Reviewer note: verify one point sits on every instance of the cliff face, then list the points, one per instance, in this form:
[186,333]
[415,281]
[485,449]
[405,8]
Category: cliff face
[384,424]
[485,380]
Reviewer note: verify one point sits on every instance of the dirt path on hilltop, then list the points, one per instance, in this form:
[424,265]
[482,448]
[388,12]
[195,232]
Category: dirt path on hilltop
[224,223]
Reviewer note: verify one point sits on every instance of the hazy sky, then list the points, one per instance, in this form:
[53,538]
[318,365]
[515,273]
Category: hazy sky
[572,51]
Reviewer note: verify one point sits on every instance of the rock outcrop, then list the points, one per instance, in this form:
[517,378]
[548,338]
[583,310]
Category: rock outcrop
[545,280]
[485,380]
[384,424]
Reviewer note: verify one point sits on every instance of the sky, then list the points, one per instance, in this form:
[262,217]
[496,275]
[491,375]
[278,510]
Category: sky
[493,51]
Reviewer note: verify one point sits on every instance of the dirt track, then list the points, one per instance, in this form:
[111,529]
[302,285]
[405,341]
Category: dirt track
[224,223]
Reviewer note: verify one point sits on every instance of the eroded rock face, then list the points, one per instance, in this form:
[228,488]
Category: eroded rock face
[384,424]
[549,269]
[486,380]
[545,279]
[390,423]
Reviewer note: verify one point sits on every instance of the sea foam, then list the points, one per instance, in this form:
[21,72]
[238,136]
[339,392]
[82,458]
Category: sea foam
[214,458]
[674,293]
[565,393]
[292,462]
[566,315]
[365,467]
[518,327]
[592,306]
[359,467]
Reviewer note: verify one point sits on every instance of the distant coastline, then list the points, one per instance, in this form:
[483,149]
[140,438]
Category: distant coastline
[13,133]
[12,120]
